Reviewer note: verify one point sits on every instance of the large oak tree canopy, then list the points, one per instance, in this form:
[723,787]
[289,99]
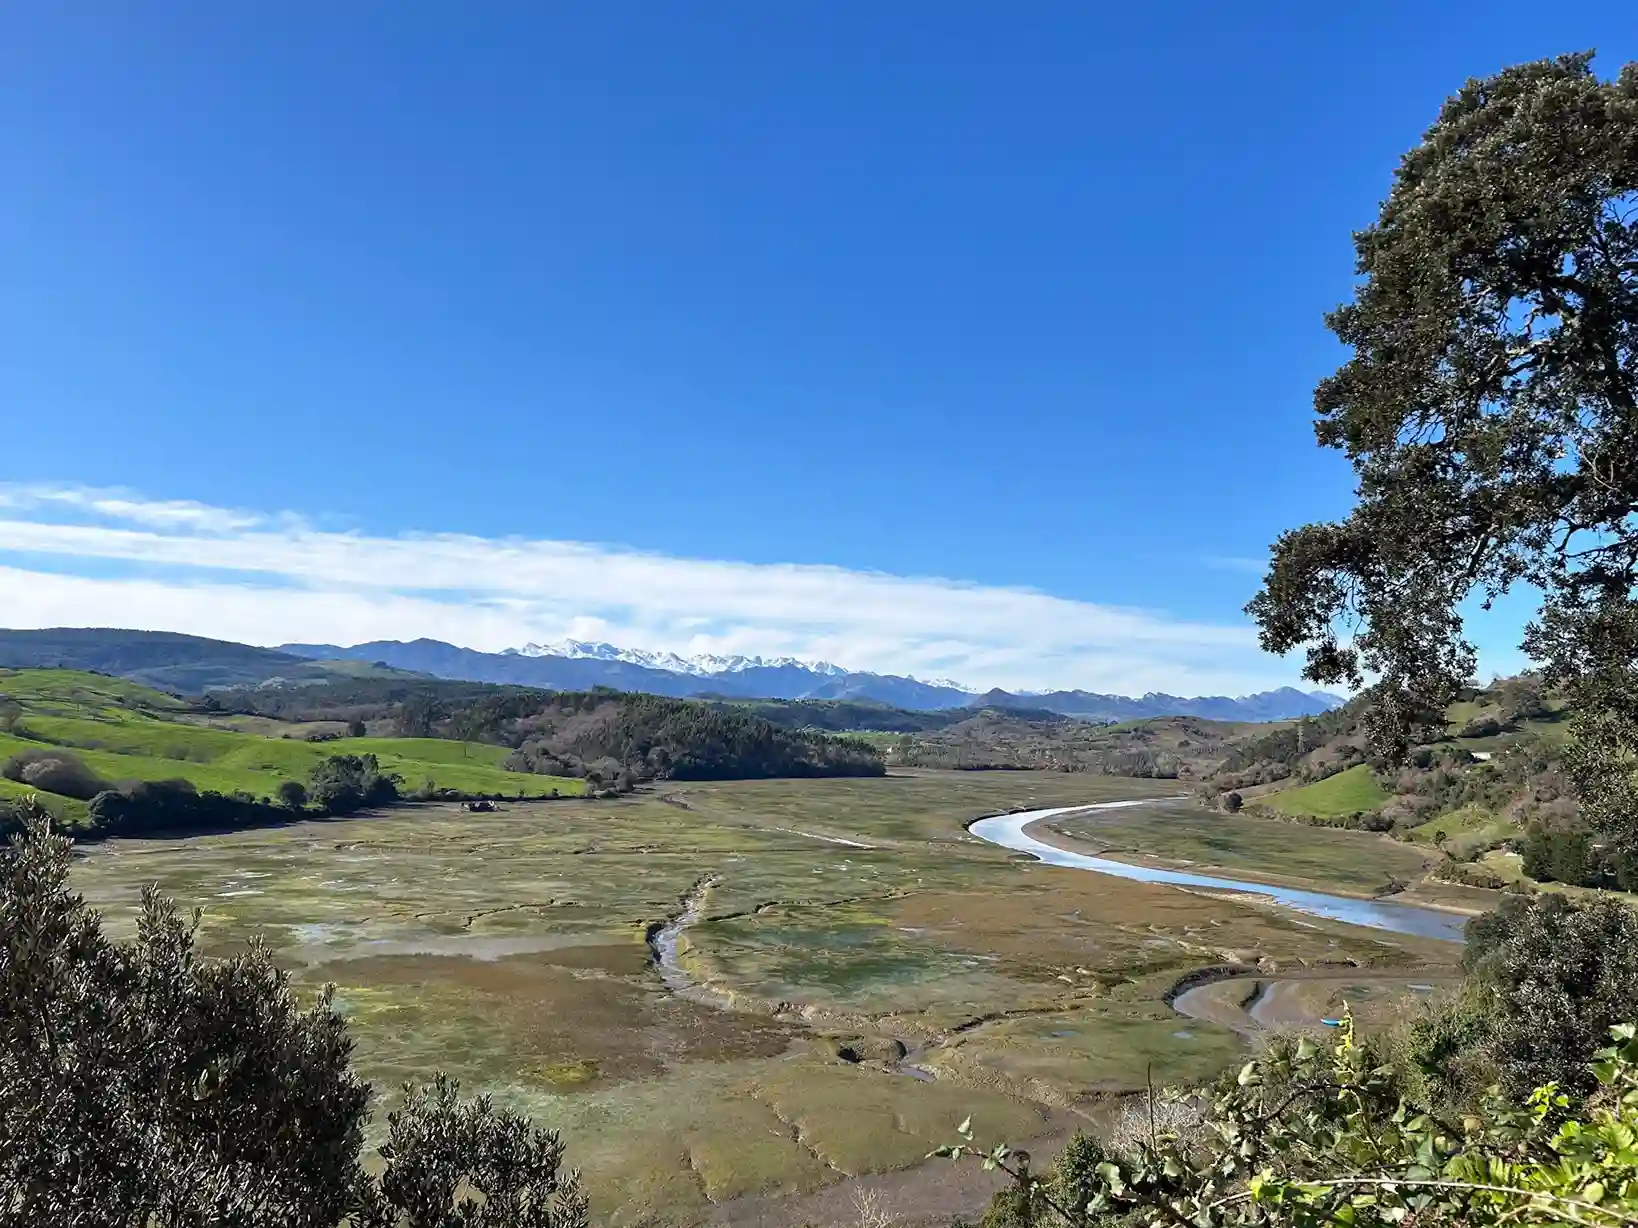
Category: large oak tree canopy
[1490,408]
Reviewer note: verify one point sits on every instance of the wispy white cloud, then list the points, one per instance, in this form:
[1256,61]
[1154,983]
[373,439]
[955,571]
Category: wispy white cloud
[1244,566]
[117,505]
[272,578]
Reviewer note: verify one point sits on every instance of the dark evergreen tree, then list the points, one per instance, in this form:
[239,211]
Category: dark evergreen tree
[1490,410]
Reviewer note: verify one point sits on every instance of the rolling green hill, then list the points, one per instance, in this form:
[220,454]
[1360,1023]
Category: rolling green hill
[127,732]
[1348,792]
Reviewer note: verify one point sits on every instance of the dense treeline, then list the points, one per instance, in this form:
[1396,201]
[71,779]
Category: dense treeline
[654,738]
[853,715]
[366,698]
[609,738]
[1161,748]
[148,807]
[168,807]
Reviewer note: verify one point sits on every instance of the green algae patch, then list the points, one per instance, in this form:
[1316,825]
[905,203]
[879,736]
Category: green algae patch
[568,1075]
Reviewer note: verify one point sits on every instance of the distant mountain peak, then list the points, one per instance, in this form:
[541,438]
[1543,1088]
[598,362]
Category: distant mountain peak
[703,665]
[582,664]
[709,665]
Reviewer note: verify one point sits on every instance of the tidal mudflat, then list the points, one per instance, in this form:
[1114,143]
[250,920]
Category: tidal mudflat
[856,974]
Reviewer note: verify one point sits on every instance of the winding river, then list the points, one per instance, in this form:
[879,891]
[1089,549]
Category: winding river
[1007,830]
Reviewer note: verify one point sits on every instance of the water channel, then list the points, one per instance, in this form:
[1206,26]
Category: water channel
[1008,831]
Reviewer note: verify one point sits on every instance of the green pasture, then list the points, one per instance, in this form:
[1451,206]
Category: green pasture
[1467,831]
[127,732]
[1348,791]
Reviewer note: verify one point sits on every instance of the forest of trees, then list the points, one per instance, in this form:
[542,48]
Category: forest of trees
[610,738]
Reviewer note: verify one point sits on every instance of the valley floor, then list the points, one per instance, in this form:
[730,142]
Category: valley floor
[850,972]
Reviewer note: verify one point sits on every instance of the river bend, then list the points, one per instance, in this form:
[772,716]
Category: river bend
[1007,830]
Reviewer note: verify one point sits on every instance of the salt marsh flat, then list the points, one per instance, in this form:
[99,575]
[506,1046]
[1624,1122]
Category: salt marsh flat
[859,973]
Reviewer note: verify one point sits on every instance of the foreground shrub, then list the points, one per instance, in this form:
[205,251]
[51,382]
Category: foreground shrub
[1307,1138]
[142,1086]
[1559,974]
[1441,1055]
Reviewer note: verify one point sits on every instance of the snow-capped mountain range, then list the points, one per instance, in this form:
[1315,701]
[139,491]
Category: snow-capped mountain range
[705,665]
[577,665]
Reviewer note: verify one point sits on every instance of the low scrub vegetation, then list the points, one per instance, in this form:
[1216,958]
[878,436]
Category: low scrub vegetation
[1309,1135]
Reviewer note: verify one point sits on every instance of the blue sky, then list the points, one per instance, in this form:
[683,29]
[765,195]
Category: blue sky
[957,339]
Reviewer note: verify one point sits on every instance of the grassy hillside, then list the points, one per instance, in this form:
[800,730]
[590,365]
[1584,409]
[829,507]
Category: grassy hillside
[127,732]
[1466,832]
[1485,780]
[1348,792]
[65,810]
